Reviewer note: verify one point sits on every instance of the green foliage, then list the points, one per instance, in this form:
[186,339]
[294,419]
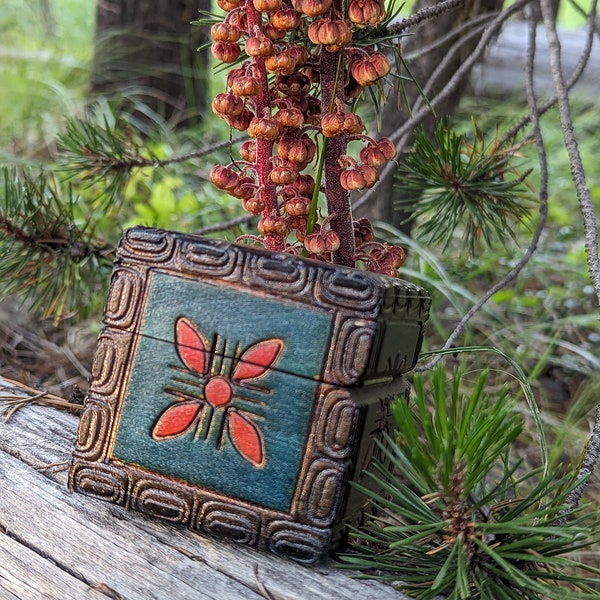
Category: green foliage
[44,71]
[46,252]
[453,182]
[460,515]
[101,152]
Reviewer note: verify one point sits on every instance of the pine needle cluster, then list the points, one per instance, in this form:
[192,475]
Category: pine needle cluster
[450,182]
[461,516]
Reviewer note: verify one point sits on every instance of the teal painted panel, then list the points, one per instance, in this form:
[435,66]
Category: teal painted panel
[193,412]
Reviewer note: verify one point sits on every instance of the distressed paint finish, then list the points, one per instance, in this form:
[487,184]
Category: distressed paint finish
[237,391]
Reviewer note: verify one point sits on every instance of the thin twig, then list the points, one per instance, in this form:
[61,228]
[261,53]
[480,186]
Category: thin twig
[132,162]
[225,225]
[479,21]
[586,468]
[425,14]
[590,225]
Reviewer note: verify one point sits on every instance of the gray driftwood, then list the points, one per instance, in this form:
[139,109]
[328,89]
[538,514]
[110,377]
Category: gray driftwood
[55,544]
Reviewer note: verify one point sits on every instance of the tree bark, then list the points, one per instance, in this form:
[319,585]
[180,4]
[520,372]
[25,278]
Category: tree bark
[146,51]
[395,112]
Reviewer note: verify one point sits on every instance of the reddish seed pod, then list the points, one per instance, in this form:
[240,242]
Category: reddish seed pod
[282,63]
[298,150]
[315,243]
[371,155]
[244,189]
[272,225]
[239,19]
[332,241]
[387,148]
[290,118]
[386,259]
[304,185]
[366,13]
[273,33]
[363,231]
[297,207]
[312,8]
[235,73]
[351,180]
[377,154]
[359,179]
[396,255]
[353,124]
[267,6]
[229,5]
[248,151]
[225,32]
[226,52]
[337,123]
[283,173]
[259,45]
[296,223]
[301,230]
[299,54]
[264,128]
[224,178]
[332,124]
[253,205]
[246,86]
[241,122]
[368,70]
[369,174]
[333,34]
[295,85]
[285,19]
[227,105]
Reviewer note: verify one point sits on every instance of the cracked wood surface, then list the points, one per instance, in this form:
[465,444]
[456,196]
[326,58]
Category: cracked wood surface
[58,544]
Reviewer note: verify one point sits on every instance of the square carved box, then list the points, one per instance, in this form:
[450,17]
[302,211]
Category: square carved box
[238,391]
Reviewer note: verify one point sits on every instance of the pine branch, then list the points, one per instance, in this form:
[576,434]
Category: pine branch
[107,153]
[44,252]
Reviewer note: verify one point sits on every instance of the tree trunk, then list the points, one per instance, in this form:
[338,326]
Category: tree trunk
[146,52]
[395,112]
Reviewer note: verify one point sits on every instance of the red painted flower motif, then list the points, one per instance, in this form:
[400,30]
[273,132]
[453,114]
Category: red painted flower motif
[219,392]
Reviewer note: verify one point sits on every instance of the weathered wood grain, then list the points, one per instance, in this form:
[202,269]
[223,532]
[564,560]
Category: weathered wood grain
[57,544]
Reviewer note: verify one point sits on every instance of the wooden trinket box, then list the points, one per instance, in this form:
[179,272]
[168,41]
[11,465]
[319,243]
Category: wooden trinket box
[238,391]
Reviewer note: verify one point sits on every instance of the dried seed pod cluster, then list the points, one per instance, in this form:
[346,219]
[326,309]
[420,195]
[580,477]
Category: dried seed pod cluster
[295,71]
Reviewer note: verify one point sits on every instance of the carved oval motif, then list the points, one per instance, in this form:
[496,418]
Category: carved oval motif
[91,434]
[234,522]
[352,350]
[300,543]
[289,275]
[168,505]
[349,288]
[209,257]
[337,423]
[323,490]
[100,482]
[106,367]
[147,245]
[123,298]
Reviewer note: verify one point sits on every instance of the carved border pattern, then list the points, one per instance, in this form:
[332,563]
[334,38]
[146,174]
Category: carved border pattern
[306,532]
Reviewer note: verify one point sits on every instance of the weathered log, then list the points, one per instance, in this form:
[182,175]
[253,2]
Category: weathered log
[57,544]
